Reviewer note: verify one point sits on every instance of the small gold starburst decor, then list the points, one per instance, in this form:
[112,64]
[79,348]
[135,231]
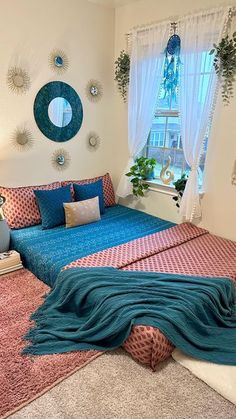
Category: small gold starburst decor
[22,139]
[58,61]
[94,90]
[18,80]
[60,159]
[93,141]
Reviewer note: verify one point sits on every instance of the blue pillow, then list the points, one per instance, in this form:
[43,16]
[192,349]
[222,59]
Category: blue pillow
[51,205]
[90,190]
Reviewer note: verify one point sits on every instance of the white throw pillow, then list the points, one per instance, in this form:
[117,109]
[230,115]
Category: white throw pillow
[82,212]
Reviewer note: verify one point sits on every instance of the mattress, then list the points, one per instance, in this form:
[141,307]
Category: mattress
[46,252]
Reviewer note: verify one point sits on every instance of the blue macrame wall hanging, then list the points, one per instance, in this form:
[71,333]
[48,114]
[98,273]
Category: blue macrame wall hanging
[172,65]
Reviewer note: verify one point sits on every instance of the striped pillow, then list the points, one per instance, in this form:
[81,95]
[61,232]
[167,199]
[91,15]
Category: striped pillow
[108,190]
[20,208]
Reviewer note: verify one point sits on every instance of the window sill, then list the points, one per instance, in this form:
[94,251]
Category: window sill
[156,186]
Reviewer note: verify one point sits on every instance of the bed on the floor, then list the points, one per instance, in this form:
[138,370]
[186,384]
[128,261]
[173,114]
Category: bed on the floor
[129,240]
[46,252]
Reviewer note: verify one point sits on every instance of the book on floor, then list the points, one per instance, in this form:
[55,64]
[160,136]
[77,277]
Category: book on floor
[10,261]
[12,269]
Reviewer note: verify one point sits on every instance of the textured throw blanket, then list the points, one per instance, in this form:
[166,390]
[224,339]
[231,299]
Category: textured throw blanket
[95,308]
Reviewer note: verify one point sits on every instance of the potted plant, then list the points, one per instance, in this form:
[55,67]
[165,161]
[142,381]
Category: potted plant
[142,170]
[180,187]
[225,65]
[4,229]
[122,68]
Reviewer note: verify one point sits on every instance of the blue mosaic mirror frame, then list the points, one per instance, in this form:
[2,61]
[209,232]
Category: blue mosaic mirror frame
[45,95]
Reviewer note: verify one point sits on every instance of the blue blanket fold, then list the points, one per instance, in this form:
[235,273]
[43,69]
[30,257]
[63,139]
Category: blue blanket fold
[95,308]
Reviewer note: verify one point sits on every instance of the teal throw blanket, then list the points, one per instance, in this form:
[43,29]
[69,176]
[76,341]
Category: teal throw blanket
[95,308]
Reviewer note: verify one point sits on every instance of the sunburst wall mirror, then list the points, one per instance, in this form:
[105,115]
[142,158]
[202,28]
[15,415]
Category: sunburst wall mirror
[94,90]
[22,139]
[61,159]
[58,61]
[93,141]
[18,80]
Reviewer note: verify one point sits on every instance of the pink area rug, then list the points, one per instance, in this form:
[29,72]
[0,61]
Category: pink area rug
[24,378]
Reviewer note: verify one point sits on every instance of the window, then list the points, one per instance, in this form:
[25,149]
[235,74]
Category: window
[164,140]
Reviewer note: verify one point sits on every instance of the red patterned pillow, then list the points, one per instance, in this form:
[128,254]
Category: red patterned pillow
[21,209]
[108,191]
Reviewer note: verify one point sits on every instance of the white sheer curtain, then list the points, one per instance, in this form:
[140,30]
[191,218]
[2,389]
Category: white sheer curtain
[147,58]
[197,94]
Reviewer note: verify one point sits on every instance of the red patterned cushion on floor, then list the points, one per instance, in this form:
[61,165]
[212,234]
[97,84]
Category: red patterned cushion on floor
[20,208]
[108,190]
[148,345]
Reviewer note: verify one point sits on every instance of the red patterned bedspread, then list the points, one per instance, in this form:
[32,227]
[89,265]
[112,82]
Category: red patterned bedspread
[183,249]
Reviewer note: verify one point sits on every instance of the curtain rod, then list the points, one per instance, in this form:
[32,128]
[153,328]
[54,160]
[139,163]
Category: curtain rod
[175,19]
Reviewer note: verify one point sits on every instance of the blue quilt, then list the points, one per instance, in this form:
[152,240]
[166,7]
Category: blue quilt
[45,252]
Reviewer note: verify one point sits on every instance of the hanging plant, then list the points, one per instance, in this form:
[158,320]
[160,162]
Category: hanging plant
[180,187]
[142,170]
[122,68]
[225,65]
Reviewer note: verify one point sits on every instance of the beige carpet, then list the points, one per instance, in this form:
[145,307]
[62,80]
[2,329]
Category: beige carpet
[115,387]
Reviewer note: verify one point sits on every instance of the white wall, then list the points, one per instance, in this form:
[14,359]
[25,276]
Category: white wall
[30,30]
[219,202]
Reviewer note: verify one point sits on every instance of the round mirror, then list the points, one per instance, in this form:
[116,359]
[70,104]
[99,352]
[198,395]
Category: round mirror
[60,112]
[93,141]
[94,90]
[22,139]
[60,159]
[58,61]
[18,80]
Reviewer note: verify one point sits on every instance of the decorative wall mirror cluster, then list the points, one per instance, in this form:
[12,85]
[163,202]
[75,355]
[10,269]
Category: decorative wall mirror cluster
[58,111]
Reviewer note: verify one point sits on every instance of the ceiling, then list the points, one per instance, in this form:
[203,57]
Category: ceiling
[113,3]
